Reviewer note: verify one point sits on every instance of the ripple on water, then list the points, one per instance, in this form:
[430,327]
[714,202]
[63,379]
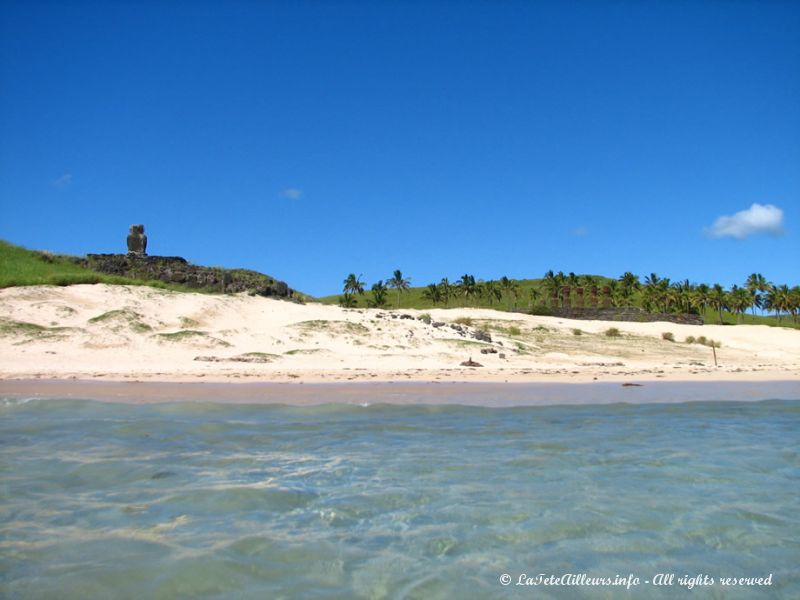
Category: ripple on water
[231,501]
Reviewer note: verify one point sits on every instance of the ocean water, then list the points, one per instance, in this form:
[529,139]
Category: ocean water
[204,500]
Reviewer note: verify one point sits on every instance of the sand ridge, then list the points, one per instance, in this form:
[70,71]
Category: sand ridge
[139,333]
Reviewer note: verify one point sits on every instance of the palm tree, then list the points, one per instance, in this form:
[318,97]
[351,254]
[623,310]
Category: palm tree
[490,290]
[467,285]
[701,297]
[794,302]
[574,281]
[399,283]
[629,283]
[534,294]
[378,294]
[432,293]
[779,299]
[347,300]
[757,285]
[353,285]
[738,301]
[683,291]
[446,289]
[718,299]
[508,286]
[551,284]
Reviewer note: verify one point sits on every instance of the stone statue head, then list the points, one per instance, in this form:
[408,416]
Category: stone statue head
[137,240]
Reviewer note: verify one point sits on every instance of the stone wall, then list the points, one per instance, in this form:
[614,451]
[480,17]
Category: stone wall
[636,315]
[177,270]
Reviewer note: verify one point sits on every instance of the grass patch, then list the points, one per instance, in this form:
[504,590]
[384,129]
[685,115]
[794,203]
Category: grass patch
[191,336]
[690,339]
[188,323]
[613,332]
[255,357]
[466,321]
[9,327]
[332,327]
[32,331]
[467,344]
[122,317]
[667,335]
[304,351]
[577,332]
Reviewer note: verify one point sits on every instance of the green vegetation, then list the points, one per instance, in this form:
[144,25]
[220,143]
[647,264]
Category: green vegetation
[612,332]
[559,291]
[22,267]
[19,266]
[191,336]
[9,327]
[332,327]
[577,332]
[467,321]
[703,341]
[667,335]
[32,331]
[123,317]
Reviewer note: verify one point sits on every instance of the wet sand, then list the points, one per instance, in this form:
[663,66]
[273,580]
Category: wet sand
[404,393]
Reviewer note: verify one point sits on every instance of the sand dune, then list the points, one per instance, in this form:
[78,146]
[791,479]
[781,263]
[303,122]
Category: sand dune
[140,333]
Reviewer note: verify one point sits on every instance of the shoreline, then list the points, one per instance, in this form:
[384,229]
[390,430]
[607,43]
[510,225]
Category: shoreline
[128,334]
[405,393]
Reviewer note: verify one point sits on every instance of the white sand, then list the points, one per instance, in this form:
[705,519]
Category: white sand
[316,343]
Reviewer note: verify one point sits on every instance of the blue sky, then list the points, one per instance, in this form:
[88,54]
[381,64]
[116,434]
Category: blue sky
[314,139]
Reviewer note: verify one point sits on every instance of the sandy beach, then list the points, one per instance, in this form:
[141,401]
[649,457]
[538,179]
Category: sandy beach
[121,333]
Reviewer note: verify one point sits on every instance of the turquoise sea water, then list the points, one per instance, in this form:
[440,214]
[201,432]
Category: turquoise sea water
[188,500]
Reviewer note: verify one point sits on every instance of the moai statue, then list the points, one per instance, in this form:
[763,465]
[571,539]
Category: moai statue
[565,297]
[137,240]
[593,296]
[606,297]
[579,297]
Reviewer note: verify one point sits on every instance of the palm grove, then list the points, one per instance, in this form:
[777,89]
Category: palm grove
[558,290]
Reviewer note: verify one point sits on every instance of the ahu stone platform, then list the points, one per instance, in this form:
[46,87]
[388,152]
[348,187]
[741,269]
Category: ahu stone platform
[177,270]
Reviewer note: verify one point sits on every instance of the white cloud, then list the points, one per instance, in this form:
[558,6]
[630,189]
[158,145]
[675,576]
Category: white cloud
[292,193]
[63,181]
[580,231]
[759,218]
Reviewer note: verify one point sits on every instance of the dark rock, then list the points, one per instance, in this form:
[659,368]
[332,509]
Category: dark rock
[471,363]
[488,351]
[631,385]
[482,336]
[137,240]
[501,355]
[162,475]
[406,316]
[437,324]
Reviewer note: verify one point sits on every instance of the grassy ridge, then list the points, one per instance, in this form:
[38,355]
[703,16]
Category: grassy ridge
[20,266]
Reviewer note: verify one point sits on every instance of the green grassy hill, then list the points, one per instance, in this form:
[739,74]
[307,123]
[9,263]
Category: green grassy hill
[20,266]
